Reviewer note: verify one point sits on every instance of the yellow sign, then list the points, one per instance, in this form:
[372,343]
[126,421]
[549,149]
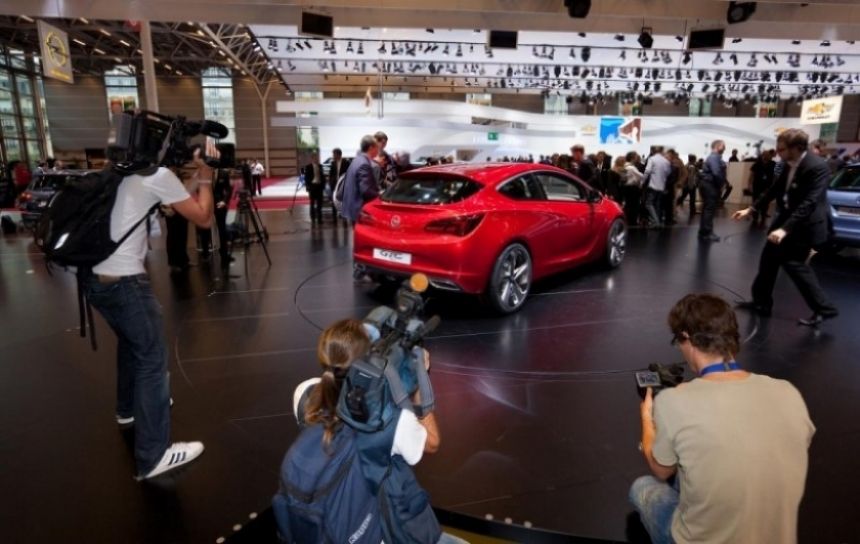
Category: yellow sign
[821,111]
[56,58]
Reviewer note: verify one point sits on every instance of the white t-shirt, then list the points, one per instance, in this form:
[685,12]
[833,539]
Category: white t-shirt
[135,197]
[259,170]
[409,436]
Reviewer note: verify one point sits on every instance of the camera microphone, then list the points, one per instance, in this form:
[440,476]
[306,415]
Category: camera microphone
[213,129]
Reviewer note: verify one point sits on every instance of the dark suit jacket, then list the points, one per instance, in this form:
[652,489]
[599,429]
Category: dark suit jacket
[312,184]
[802,210]
[360,186]
[332,179]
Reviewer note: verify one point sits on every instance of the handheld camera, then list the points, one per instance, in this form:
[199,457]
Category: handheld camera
[659,377]
[393,370]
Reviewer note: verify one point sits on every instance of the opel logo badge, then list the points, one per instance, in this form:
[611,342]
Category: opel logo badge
[395,222]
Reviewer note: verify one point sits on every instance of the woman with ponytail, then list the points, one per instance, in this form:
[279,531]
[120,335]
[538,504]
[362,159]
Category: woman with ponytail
[384,457]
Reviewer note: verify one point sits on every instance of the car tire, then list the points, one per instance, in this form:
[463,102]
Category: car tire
[510,280]
[616,244]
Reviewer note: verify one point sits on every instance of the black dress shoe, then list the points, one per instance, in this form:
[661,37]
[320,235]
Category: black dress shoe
[754,307]
[818,318]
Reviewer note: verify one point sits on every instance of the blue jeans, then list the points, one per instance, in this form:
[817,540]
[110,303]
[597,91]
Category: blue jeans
[654,206]
[142,385]
[656,503]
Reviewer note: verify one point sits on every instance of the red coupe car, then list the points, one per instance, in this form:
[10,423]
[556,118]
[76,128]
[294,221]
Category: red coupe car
[488,229]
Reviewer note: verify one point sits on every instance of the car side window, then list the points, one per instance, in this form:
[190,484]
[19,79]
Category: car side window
[521,188]
[560,189]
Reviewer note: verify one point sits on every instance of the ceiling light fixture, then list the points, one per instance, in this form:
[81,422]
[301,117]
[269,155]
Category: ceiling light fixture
[99,51]
[739,12]
[29,20]
[125,43]
[77,41]
[84,20]
[646,40]
[105,32]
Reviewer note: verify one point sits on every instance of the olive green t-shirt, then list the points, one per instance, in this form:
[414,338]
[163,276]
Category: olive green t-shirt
[741,450]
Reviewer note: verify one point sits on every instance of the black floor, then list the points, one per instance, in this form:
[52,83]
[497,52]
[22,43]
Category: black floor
[538,411]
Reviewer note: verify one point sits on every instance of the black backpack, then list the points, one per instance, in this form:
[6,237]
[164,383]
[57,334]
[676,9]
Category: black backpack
[74,230]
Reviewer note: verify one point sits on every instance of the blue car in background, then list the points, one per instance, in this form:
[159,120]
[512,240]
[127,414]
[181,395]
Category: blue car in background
[844,199]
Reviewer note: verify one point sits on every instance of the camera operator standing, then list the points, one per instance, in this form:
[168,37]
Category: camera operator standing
[119,289]
[735,442]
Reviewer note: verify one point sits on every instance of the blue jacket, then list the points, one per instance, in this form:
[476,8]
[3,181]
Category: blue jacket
[360,186]
[714,171]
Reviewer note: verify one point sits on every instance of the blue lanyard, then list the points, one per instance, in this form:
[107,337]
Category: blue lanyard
[720,367]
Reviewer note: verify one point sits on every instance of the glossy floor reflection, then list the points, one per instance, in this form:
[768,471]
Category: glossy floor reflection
[538,410]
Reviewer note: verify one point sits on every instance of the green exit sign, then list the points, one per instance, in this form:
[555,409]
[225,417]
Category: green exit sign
[493,136]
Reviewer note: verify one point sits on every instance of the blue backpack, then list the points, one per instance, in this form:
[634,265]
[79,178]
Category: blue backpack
[324,496]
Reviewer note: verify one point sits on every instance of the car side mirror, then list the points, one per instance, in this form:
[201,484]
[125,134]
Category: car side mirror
[594,197]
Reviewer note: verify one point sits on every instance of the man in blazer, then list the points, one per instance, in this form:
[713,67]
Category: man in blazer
[315,185]
[361,184]
[338,168]
[800,225]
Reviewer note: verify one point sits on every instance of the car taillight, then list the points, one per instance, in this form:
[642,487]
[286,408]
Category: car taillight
[365,218]
[458,226]
[25,197]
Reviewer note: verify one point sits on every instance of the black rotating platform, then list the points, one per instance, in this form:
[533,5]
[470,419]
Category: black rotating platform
[538,413]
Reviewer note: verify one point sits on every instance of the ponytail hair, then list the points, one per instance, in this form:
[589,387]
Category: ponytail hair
[339,345]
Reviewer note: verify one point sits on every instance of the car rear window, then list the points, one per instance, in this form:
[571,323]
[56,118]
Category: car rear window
[847,180]
[430,190]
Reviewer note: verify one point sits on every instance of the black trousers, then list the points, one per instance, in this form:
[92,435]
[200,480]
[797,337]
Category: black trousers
[256,184]
[669,205]
[793,259]
[204,241]
[316,194]
[221,223]
[632,196]
[177,240]
[710,200]
[685,192]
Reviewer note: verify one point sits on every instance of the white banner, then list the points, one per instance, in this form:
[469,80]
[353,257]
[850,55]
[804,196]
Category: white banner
[56,57]
[821,111]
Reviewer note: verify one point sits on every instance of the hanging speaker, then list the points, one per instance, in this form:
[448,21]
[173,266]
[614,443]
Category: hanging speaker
[503,39]
[706,39]
[315,24]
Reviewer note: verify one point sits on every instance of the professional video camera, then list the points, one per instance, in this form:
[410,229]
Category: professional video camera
[393,370]
[144,139]
[659,377]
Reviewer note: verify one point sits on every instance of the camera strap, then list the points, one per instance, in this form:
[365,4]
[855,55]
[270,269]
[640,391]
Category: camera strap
[725,366]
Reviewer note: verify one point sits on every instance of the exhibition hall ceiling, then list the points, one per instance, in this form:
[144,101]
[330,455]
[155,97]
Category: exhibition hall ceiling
[785,48]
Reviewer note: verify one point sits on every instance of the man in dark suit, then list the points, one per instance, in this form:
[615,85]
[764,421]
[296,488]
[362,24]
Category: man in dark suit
[361,184]
[338,168]
[800,225]
[315,185]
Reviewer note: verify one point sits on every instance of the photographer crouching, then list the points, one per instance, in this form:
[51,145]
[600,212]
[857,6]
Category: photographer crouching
[733,443]
[368,419]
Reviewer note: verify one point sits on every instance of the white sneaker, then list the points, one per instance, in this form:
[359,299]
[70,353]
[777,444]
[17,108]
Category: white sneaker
[178,454]
[123,421]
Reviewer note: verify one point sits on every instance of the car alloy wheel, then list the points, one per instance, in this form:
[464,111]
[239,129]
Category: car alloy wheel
[512,277]
[616,243]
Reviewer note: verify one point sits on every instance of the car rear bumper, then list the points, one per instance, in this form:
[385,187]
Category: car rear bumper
[846,228]
[449,262]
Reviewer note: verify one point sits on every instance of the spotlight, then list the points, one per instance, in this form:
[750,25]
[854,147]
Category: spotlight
[679,38]
[578,9]
[586,54]
[619,37]
[825,43]
[382,48]
[581,34]
[795,42]
[623,55]
[646,40]
[349,48]
[739,12]
[572,53]
[737,40]
[687,57]
[360,48]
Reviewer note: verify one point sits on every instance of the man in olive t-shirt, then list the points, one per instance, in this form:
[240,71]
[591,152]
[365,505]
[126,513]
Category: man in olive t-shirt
[736,442]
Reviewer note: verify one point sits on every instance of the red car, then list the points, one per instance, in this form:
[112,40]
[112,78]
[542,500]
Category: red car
[488,229]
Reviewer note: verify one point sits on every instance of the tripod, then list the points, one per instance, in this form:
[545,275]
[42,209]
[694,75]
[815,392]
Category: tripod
[248,215]
[299,185]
